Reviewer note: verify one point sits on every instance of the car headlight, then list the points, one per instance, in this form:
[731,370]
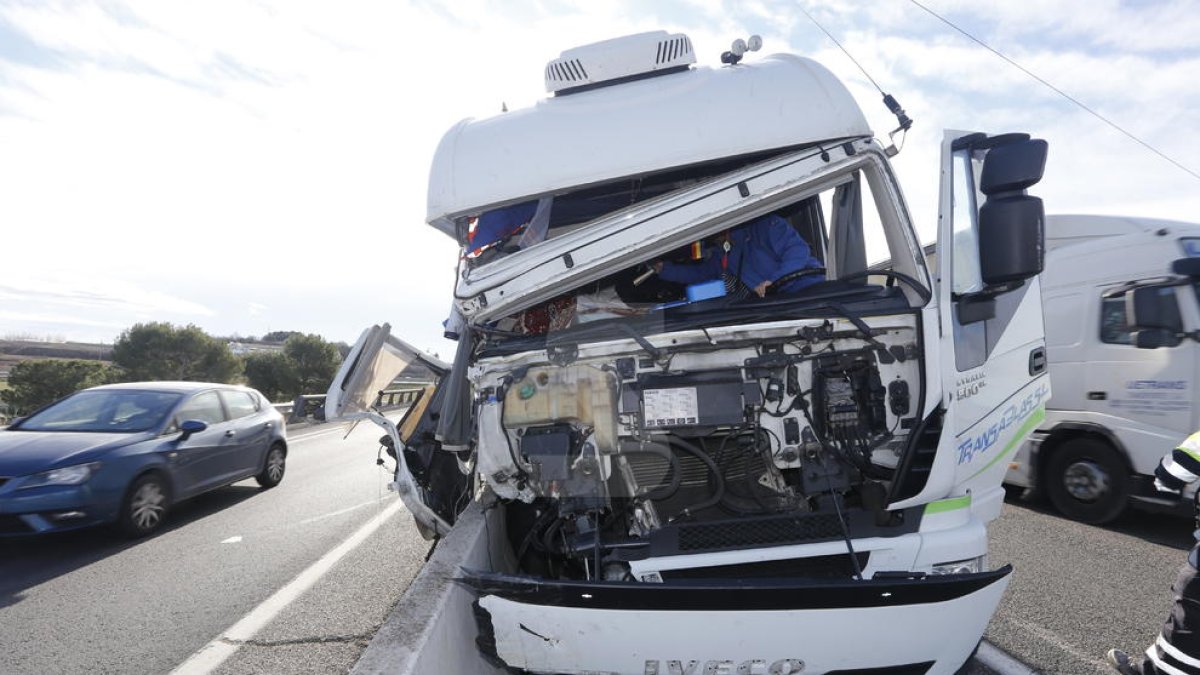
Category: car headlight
[968,566]
[67,475]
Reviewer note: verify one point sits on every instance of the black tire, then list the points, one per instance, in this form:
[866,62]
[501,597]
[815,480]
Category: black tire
[1086,480]
[273,467]
[145,507]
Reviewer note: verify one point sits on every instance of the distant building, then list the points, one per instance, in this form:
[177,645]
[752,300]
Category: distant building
[244,348]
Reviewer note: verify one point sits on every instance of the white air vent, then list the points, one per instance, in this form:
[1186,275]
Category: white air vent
[622,58]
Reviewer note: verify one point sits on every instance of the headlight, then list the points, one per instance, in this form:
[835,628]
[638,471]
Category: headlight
[67,475]
[969,566]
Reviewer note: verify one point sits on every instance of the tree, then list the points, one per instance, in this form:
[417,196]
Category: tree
[273,374]
[279,336]
[315,361]
[33,384]
[160,351]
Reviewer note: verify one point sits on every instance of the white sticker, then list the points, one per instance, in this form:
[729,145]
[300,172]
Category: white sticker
[670,407]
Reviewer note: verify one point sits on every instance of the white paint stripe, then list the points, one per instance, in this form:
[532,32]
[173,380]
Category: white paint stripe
[317,434]
[1159,664]
[209,657]
[232,540]
[1058,641]
[336,513]
[1174,652]
[1000,661]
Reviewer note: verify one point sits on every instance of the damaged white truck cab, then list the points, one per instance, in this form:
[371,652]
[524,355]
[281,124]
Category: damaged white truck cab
[694,478]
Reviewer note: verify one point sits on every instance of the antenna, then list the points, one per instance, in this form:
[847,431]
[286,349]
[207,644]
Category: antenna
[888,100]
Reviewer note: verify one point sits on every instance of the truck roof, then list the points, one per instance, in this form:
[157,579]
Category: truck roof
[1070,229]
[637,127]
[1112,249]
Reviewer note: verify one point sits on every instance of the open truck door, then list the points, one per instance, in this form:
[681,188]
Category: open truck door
[993,356]
[431,482]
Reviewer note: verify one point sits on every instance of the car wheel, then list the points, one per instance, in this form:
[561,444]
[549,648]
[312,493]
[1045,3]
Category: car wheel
[145,506]
[1086,480]
[273,468]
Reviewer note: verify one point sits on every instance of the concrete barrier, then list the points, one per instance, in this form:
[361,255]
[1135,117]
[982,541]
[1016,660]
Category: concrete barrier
[432,628]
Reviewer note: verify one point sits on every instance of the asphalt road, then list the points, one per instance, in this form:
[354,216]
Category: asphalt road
[1079,590]
[90,602]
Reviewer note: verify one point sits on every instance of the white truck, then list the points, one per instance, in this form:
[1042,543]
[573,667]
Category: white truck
[686,480]
[1122,318]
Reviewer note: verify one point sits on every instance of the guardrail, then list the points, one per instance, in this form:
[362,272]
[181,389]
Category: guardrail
[312,406]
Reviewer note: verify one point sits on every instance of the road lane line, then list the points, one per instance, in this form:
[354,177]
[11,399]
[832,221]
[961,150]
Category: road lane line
[337,513]
[1049,636]
[232,540]
[209,657]
[316,434]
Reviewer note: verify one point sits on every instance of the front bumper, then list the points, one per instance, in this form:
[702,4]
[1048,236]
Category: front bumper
[47,509]
[927,625]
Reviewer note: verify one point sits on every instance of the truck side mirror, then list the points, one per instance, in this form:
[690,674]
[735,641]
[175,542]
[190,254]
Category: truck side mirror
[1188,267]
[1153,338]
[1011,223]
[1153,307]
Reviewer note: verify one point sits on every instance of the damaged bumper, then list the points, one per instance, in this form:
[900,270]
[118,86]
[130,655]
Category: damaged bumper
[751,626]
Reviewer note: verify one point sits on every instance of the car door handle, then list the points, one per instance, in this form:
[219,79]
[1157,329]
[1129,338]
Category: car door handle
[229,433]
[1097,395]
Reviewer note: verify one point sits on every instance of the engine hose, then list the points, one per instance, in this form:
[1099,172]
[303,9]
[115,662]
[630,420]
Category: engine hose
[718,492]
[660,491]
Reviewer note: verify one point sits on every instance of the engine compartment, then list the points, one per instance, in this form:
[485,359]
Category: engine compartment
[787,434]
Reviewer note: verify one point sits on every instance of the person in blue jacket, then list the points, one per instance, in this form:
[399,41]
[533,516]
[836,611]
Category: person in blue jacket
[757,253]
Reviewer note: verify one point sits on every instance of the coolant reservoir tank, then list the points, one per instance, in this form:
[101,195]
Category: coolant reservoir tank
[584,395]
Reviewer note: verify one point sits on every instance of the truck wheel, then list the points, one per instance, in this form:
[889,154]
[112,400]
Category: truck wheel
[1086,480]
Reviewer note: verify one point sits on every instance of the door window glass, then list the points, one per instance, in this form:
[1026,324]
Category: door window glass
[205,406]
[965,249]
[240,403]
[1114,329]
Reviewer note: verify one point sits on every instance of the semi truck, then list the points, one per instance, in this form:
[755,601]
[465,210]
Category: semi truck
[723,476]
[1122,320]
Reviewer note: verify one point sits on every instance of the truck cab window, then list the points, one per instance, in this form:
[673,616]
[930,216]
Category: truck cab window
[1113,327]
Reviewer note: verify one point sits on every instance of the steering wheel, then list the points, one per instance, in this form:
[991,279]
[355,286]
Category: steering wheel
[792,276]
[912,283]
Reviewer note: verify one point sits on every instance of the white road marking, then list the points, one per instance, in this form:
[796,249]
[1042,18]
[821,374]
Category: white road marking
[317,434]
[337,513]
[233,540]
[1000,661]
[209,657]
[1058,641]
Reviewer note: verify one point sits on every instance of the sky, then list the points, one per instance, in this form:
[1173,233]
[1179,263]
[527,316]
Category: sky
[262,165]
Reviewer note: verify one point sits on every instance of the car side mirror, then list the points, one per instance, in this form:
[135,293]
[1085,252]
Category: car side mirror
[15,422]
[1154,338]
[190,427]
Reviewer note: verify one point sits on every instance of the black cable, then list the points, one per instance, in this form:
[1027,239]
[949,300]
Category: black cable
[1055,89]
[676,474]
[718,492]
[845,527]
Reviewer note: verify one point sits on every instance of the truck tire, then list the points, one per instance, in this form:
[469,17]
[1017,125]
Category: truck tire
[1086,480]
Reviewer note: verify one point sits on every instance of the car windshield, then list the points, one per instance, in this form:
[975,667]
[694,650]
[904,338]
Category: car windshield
[113,410]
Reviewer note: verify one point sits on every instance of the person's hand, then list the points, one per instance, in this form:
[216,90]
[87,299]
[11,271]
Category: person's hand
[1166,492]
[761,289]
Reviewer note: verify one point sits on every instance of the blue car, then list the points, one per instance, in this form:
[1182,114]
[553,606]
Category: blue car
[125,453]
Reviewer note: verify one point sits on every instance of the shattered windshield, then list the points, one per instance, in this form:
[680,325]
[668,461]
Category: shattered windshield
[809,250]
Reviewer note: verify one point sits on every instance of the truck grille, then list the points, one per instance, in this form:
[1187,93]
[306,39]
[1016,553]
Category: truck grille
[762,531]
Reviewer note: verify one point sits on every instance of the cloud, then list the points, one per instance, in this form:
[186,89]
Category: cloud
[204,149]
